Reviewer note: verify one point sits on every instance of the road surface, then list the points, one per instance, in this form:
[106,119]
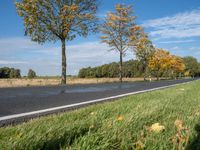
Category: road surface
[18,103]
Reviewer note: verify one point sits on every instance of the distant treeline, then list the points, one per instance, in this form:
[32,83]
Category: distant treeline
[6,72]
[134,68]
[131,68]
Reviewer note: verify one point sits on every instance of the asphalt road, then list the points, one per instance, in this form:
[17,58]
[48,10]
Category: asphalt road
[27,99]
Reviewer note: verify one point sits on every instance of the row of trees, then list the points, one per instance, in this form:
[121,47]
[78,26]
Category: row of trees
[161,64]
[131,68]
[7,72]
[63,20]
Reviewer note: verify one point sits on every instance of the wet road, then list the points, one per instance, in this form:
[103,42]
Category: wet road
[28,99]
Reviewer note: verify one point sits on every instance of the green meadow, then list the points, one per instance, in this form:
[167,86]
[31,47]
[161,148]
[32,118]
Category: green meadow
[163,119]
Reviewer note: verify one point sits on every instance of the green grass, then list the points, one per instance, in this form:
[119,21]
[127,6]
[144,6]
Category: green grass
[123,124]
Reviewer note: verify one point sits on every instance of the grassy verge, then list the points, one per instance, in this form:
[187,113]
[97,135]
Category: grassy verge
[56,81]
[164,119]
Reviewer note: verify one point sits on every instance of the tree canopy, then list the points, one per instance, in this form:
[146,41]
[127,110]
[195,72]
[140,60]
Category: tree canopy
[162,63]
[116,31]
[52,20]
[7,72]
[31,74]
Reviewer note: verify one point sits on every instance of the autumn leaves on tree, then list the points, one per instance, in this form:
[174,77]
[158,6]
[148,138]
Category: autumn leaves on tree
[63,20]
[121,33]
[162,62]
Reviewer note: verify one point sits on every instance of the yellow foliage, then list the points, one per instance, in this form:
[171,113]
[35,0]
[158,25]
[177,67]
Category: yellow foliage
[74,7]
[164,61]
[118,7]
[104,37]
[113,17]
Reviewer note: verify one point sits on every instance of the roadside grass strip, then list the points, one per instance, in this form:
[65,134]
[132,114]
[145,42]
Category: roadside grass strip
[163,119]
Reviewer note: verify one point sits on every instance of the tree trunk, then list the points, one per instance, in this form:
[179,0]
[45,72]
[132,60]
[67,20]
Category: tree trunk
[157,77]
[63,78]
[144,70]
[120,67]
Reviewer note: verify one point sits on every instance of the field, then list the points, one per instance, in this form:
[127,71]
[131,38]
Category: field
[56,81]
[163,119]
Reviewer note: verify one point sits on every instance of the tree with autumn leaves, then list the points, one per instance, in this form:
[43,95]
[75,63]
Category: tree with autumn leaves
[142,47]
[162,62]
[117,30]
[53,20]
[63,20]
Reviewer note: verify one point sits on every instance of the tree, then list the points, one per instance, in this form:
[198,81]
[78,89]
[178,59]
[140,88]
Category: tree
[142,47]
[159,62]
[31,74]
[6,72]
[131,68]
[52,20]
[177,66]
[116,29]
[14,73]
[162,63]
[192,65]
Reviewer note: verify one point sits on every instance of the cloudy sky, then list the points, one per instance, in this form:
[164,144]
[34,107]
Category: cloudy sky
[171,24]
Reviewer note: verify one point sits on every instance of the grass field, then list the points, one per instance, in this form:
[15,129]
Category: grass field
[56,81]
[164,119]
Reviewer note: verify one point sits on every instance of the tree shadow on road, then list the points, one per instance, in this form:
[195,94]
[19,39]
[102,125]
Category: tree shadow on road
[194,144]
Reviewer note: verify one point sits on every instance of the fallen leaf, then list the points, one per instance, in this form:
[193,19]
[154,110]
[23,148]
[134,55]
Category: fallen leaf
[120,118]
[156,127]
[92,126]
[92,113]
[179,124]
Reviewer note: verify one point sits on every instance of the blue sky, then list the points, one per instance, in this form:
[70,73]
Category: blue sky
[171,24]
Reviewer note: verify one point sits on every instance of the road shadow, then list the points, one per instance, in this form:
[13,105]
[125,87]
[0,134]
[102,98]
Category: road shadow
[194,144]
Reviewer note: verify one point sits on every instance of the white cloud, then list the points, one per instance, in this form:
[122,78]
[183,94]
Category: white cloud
[6,62]
[46,59]
[194,48]
[176,41]
[182,25]
[175,48]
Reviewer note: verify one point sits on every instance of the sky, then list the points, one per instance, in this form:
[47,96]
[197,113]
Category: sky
[173,25]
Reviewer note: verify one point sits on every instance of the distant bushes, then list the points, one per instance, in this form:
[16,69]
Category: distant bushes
[131,68]
[7,72]
[135,68]
[31,74]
